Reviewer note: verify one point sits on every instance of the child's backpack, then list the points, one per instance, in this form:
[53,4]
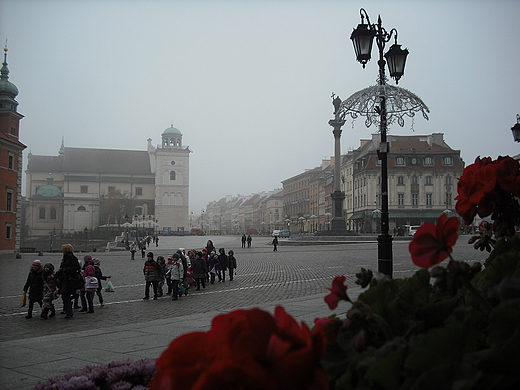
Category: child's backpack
[91,283]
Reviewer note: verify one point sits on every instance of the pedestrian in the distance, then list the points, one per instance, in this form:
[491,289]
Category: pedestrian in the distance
[249,240]
[151,276]
[133,249]
[34,285]
[232,264]
[243,239]
[275,244]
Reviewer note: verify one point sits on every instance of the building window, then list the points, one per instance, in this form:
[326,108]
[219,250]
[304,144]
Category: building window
[447,160]
[139,190]
[83,189]
[172,175]
[428,199]
[415,200]
[428,161]
[428,180]
[448,180]
[8,231]
[400,199]
[399,161]
[400,180]
[448,199]
[414,179]
[9,201]
[81,208]
[41,213]
[10,161]
[53,213]
[111,188]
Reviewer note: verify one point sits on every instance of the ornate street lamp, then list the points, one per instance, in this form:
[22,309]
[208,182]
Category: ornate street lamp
[381,104]
[516,129]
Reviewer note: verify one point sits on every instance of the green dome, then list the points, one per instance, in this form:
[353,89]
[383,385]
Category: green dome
[48,190]
[172,130]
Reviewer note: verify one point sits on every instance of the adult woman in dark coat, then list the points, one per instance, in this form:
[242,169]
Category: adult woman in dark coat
[222,264]
[69,268]
[200,270]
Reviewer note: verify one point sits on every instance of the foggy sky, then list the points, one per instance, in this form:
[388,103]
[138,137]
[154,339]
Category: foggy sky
[248,83]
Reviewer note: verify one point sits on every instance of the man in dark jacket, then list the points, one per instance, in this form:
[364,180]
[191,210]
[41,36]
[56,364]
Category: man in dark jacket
[151,273]
[68,271]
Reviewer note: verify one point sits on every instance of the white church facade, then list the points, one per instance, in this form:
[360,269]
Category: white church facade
[85,188]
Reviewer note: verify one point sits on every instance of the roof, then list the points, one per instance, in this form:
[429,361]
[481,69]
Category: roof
[172,130]
[83,160]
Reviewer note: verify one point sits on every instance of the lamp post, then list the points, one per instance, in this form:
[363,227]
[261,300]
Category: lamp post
[516,129]
[288,222]
[328,215]
[362,38]
[313,218]
[86,238]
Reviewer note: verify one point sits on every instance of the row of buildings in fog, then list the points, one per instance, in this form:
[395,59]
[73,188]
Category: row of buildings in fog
[422,184]
[84,190]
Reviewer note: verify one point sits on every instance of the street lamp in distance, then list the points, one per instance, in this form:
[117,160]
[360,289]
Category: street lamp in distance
[516,129]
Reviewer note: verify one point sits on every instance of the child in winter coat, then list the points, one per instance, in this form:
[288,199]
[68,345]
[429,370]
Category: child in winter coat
[91,285]
[99,275]
[151,276]
[232,264]
[162,273]
[167,275]
[50,291]
[34,285]
[176,275]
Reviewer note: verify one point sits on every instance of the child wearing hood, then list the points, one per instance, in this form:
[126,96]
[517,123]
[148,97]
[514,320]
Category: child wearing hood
[90,288]
[99,275]
[34,285]
[50,291]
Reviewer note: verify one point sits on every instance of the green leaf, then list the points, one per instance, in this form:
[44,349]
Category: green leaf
[458,375]
[437,347]
[385,368]
[504,321]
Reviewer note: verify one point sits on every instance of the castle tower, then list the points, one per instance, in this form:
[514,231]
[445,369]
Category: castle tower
[171,161]
[10,164]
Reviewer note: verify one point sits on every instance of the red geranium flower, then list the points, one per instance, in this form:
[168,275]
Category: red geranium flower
[245,349]
[338,292]
[431,243]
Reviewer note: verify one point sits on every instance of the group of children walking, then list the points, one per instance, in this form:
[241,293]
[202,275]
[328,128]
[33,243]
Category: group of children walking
[184,270]
[43,285]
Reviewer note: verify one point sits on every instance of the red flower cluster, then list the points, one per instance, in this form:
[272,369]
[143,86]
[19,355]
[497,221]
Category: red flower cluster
[245,349]
[431,243]
[487,185]
[338,292]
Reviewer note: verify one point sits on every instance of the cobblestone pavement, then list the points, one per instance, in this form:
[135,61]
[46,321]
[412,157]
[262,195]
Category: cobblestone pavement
[264,278]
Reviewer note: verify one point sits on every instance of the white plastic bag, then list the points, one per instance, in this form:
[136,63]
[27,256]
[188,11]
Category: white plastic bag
[109,287]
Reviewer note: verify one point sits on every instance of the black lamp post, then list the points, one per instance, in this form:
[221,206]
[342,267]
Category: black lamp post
[362,38]
[516,129]
[86,238]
